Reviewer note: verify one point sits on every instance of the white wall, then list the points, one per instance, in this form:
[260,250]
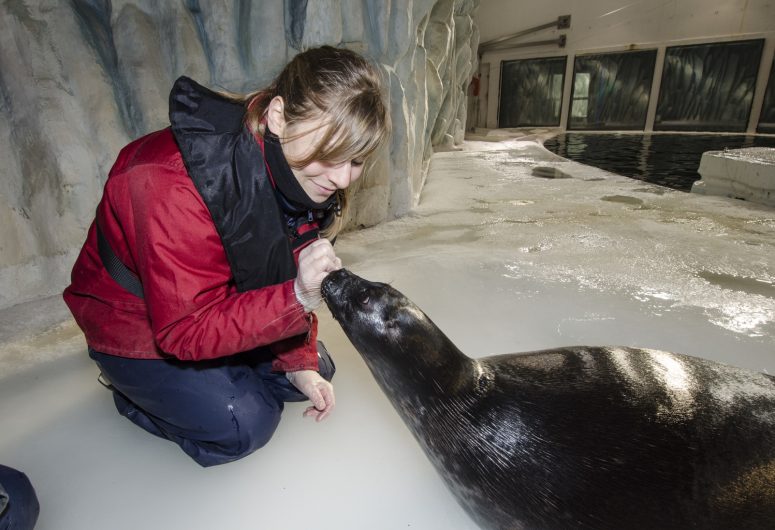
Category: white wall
[610,25]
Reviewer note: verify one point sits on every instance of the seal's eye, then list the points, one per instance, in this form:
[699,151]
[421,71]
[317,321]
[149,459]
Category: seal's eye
[364,298]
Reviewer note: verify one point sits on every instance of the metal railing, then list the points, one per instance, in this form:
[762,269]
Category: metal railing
[505,42]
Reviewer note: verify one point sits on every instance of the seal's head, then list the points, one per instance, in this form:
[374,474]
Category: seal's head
[369,311]
[391,333]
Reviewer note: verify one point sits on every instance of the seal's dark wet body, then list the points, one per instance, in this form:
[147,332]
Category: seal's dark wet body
[580,437]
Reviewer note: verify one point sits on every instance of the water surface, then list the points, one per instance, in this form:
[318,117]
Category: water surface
[669,160]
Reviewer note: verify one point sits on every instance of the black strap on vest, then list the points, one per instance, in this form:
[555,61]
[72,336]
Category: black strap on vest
[117,270]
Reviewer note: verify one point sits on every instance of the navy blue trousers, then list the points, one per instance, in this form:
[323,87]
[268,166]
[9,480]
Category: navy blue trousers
[217,411]
[22,508]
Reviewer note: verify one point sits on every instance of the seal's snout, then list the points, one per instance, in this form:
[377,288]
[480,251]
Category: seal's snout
[334,285]
[348,295]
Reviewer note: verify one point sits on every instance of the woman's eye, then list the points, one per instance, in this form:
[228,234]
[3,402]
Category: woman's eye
[356,163]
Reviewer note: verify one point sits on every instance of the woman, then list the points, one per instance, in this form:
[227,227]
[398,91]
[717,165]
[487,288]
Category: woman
[196,285]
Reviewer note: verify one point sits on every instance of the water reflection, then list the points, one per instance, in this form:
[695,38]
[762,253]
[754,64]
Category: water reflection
[666,159]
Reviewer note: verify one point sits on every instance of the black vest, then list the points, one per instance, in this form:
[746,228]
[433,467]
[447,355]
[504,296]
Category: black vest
[227,167]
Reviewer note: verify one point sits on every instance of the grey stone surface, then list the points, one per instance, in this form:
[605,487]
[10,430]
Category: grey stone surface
[352,20]
[80,79]
[325,23]
[263,43]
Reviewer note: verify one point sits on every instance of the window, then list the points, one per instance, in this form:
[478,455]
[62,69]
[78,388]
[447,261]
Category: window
[580,106]
[767,117]
[611,90]
[708,87]
[531,92]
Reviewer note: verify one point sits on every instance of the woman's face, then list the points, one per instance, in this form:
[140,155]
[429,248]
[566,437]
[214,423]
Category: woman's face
[318,179]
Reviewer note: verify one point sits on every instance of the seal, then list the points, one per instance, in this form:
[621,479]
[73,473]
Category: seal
[577,437]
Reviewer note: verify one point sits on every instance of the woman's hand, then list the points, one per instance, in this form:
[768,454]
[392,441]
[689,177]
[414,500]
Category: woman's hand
[316,260]
[319,391]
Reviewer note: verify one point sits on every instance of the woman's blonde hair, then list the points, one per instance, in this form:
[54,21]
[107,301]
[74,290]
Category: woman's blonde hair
[342,88]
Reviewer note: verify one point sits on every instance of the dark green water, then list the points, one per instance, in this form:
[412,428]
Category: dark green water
[666,159]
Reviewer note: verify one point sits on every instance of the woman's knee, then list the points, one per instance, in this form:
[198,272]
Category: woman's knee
[244,426]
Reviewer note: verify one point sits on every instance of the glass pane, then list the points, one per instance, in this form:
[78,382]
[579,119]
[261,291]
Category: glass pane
[708,87]
[767,118]
[579,108]
[531,92]
[580,84]
[557,81]
[617,85]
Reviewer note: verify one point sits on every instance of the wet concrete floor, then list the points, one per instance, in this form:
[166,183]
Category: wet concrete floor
[502,257]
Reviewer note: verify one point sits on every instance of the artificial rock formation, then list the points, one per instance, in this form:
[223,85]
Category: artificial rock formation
[80,78]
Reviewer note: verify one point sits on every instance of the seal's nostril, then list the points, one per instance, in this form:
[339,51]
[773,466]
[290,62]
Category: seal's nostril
[364,298]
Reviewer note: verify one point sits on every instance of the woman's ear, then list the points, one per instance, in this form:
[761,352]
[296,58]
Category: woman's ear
[275,116]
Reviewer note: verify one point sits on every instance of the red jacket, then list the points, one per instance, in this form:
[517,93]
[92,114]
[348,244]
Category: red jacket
[159,226]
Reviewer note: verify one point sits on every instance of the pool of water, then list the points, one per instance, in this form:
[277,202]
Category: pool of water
[666,159]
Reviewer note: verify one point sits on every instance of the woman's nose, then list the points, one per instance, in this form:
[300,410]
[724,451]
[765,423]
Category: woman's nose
[341,175]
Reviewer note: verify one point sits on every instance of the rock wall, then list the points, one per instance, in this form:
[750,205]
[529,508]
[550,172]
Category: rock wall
[81,78]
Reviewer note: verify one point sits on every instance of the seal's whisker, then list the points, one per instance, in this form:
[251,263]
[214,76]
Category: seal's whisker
[292,323]
[281,316]
[313,295]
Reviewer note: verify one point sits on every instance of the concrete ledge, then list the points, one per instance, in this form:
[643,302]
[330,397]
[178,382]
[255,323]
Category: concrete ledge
[747,173]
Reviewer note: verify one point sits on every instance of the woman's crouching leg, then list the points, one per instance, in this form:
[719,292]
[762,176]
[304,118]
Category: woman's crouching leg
[216,411]
[232,427]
